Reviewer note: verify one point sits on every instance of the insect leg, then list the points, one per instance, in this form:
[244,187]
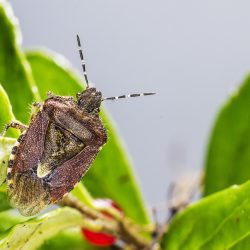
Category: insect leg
[16,125]
[50,94]
[37,104]
[35,107]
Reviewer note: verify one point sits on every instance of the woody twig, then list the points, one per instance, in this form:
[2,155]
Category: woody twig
[119,226]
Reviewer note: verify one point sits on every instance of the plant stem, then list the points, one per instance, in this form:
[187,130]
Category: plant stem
[120,226]
[83,195]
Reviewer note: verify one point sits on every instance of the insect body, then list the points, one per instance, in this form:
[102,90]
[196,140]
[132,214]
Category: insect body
[56,150]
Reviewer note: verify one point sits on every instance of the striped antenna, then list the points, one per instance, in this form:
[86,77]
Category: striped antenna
[126,96]
[82,61]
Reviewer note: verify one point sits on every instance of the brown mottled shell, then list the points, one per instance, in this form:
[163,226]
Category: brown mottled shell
[52,155]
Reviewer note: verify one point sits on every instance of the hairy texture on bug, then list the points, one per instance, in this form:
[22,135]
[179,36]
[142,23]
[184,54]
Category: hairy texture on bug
[28,193]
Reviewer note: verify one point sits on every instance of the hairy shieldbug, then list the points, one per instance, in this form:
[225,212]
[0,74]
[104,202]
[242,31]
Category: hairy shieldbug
[57,148]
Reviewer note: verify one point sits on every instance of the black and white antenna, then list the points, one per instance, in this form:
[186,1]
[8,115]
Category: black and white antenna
[82,61]
[126,96]
[87,82]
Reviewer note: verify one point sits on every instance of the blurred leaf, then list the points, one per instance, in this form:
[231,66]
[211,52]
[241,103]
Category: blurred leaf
[218,221]
[15,74]
[6,113]
[83,195]
[4,204]
[31,234]
[52,72]
[228,156]
[10,218]
[68,240]
[5,143]
[111,174]
[242,244]
[5,147]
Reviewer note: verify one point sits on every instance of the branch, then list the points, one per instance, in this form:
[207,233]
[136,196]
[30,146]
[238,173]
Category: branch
[119,225]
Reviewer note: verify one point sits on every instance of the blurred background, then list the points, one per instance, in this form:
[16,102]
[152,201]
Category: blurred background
[192,53]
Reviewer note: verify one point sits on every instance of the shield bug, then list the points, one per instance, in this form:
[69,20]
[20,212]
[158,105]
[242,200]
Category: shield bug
[57,148]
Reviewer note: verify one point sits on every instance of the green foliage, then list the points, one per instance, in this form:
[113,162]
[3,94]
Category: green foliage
[219,221]
[6,116]
[15,73]
[228,157]
[68,240]
[242,244]
[8,219]
[31,234]
[6,145]
[4,204]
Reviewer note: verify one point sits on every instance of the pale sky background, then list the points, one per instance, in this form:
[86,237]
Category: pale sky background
[193,53]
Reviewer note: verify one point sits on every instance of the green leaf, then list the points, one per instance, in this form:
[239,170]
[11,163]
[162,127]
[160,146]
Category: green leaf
[5,147]
[31,234]
[242,244]
[10,218]
[5,143]
[6,113]
[4,204]
[83,195]
[218,221]
[111,174]
[15,74]
[69,240]
[228,156]
[52,72]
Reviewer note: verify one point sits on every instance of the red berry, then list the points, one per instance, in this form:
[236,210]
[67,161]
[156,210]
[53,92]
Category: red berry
[98,239]
[101,239]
